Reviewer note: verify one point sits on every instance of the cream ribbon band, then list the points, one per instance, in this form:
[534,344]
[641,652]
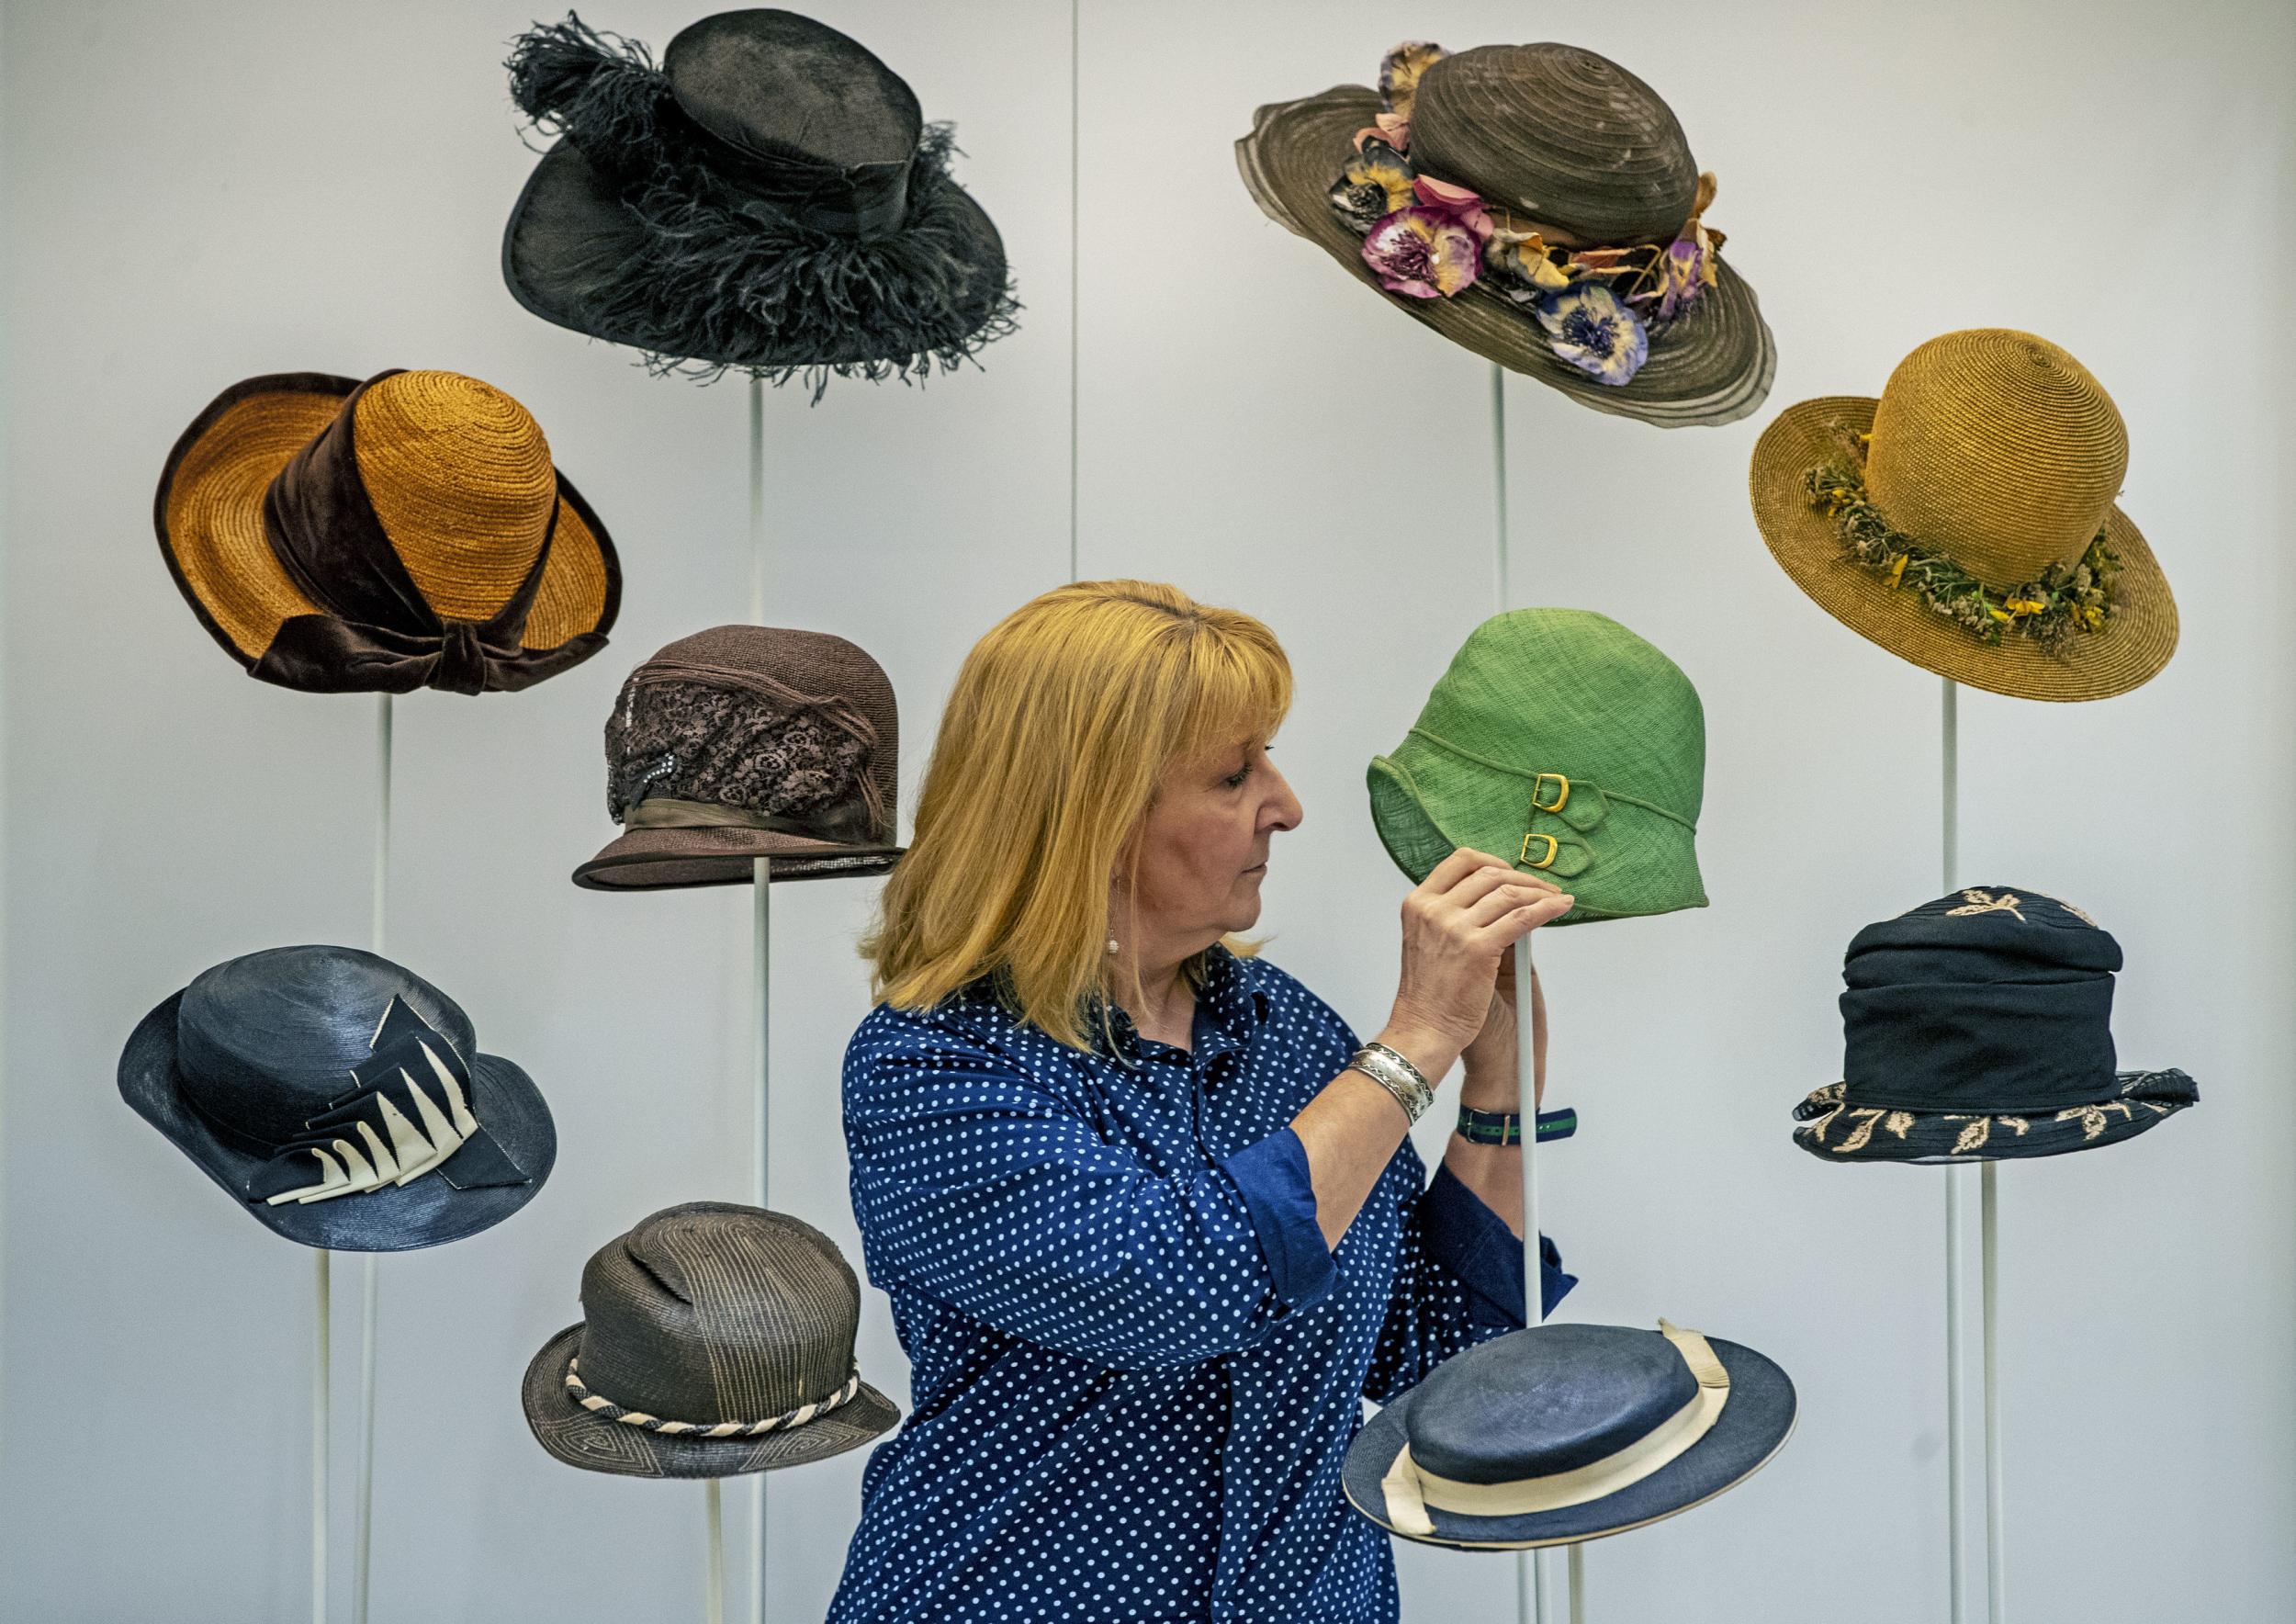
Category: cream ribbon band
[1410,1488]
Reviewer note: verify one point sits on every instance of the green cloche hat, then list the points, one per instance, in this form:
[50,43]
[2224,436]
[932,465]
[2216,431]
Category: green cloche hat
[1563,742]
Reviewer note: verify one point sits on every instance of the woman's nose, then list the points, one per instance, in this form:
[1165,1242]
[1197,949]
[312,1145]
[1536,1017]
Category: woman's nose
[1285,805]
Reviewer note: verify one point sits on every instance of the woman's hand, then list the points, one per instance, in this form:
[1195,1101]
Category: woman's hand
[1460,925]
[1491,1081]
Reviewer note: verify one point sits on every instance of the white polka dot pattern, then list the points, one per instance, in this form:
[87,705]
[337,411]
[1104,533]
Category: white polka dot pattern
[1121,1409]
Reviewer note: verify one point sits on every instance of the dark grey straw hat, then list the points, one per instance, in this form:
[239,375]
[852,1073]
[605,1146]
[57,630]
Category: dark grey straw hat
[769,198]
[340,1099]
[749,742]
[1559,1434]
[715,1341]
[1537,204]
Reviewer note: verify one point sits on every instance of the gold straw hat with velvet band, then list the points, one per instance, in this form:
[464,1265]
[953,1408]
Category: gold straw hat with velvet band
[1965,519]
[404,533]
[1537,205]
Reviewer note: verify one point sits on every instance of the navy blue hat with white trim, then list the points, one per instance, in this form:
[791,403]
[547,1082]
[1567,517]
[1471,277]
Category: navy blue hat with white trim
[1560,1434]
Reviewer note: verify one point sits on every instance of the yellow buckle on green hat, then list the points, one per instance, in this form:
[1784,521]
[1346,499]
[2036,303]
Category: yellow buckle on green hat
[1562,793]
[1553,846]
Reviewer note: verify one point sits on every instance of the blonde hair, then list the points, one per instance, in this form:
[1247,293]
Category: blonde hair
[1062,721]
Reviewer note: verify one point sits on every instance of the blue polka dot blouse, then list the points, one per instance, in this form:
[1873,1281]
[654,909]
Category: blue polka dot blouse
[1135,1368]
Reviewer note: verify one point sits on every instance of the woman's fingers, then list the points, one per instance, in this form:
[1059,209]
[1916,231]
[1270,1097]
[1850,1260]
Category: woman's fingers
[1503,899]
[1452,868]
[1513,925]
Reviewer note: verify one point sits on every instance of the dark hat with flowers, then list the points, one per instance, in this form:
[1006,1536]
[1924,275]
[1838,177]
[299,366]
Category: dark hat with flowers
[1563,742]
[770,197]
[1537,203]
[1979,1027]
[1965,519]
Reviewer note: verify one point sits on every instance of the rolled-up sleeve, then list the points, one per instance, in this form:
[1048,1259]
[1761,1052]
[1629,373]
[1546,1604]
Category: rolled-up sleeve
[1459,1280]
[1277,1191]
[981,1186]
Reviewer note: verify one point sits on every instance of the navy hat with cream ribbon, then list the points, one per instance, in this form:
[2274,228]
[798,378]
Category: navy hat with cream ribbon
[342,1099]
[1559,1434]
[1979,1027]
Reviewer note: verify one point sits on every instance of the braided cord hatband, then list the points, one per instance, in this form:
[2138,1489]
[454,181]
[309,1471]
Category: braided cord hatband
[614,1412]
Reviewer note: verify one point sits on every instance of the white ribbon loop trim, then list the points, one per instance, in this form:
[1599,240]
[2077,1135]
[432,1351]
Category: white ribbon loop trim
[1410,1488]
[414,1149]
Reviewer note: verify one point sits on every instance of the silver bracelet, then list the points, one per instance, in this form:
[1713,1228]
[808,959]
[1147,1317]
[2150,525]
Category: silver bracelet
[1404,1060]
[1398,1077]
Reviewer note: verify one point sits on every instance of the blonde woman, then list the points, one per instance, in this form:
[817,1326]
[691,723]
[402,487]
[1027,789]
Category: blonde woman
[1144,1207]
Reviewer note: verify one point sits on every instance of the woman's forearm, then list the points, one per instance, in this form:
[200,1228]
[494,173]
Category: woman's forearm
[1351,1129]
[1493,1172]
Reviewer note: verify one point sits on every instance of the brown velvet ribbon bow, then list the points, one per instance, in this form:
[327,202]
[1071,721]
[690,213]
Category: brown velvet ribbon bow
[380,635]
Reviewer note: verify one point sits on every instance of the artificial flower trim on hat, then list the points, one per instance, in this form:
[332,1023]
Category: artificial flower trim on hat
[1427,237]
[1966,520]
[2066,600]
[1537,205]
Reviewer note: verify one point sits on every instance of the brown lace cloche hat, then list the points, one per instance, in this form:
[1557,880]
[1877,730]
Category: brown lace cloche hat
[749,742]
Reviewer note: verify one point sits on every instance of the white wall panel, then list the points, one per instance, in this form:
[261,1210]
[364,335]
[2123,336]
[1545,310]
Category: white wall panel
[193,196]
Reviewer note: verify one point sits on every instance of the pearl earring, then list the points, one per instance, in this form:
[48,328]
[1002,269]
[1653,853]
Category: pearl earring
[1111,944]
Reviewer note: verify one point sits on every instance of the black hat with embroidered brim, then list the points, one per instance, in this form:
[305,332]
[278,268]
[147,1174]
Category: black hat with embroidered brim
[340,1099]
[1536,204]
[1965,519]
[717,1340]
[769,198]
[1559,1434]
[1979,1028]
[749,741]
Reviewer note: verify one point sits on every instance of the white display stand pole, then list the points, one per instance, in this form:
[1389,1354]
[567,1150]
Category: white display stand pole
[1531,1574]
[1965,1597]
[713,1586]
[322,1374]
[364,1551]
[318,1442]
[761,1055]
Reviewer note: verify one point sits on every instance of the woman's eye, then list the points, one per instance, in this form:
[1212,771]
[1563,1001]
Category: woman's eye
[1235,780]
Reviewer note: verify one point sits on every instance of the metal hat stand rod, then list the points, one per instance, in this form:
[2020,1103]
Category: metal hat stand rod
[760,1069]
[1972,1592]
[760,950]
[322,1372]
[1534,1575]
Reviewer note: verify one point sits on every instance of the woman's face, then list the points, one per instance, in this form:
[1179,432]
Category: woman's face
[1202,849]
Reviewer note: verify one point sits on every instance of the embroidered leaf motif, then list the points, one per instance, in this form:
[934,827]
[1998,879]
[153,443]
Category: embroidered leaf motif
[2020,1123]
[2091,1117]
[1974,1136]
[1981,902]
[1862,1133]
[1898,1122]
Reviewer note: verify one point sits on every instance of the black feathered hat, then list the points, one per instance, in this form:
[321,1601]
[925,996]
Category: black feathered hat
[768,199]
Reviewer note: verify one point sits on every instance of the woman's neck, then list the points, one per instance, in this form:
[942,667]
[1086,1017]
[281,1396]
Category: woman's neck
[1166,1003]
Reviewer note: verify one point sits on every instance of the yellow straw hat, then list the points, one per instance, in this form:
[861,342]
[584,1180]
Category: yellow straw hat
[1964,521]
[408,532]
